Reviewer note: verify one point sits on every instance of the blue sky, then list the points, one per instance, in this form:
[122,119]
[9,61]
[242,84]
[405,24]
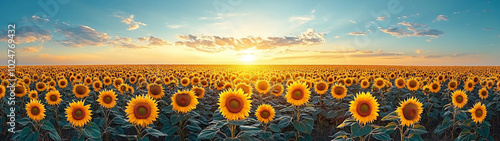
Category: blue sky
[270,32]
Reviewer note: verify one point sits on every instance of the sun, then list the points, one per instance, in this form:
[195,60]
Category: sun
[247,58]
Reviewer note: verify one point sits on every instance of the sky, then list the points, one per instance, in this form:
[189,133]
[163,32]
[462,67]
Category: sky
[323,32]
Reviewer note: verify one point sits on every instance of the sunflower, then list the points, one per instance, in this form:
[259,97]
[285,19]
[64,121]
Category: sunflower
[400,82]
[195,80]
[265,113]
[365,84]
[277,90]
[199,92]
[97,85]
[469,86]
[63,83]
[33,94]
[426,89]
[35,110]
[81,91]
[20,90]
[53,97]
[483,93]
[339,91]
[40,86]
[321,87]
[142,110]
[107,99]
[297,94]
[2,91]
[459,98]
[133,79]
[124,87]
[435,87]
[155,91]
[364,108]
[185,81]
[247,89]
[78,114]
[117,82]
[204,83]
[409,111]
[107,81]
[87,81]
[452,85]
[234,104]
[379,83]
[228,86]
[348,82]
[130,89]
[262,86]
[184,101]
[412,84]
[478,112]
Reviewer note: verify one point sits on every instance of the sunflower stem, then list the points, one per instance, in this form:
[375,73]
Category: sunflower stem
[57,119]
[453,126]
[401,132]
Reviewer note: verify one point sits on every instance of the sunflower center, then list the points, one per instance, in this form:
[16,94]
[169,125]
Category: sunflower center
[297,94]
[63,83]
[410,111]
[380,83]
[184,81]
[262,85]
[234,104]
[142,111]
[78,114]
[19,89]
[348,81]
[40,85]
[364,109]
[197,92]
[365,83]
[453,85]
[155,89]
[53,98]
[401,82]
[484,93]
[123,88]
[321,86]
[265,114]
[183,100]
[434,86]
[460,99]
[413,83]
[33,95]
[479,112]
[338,90]
[35,111]
[88,80]
[107,99]
[469,85]
[80,90]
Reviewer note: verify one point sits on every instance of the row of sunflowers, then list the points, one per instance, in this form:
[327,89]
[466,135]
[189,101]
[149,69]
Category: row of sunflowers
[190,102]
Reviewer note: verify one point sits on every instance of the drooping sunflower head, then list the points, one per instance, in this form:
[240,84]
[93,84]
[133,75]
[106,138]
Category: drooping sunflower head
[297,94]
[247,89]
[155,91]
[81,91]
[228,86]
[277,90]
[339,91]
[184,101]
[364,108]
[117,82]
[35,110]
[469,85]
[204,83]
[478,112]
[195,80]
[483,93]
[107,99]
[435,87]
[198,92]
[40,86]
[400,82]
[33,94]
[412,84]
[78,114]
[53,97]
[262,86]
[321,87]
[234,104]
[459,98]
[409,111]
[265,113]
[452,85]
[142,110]
[20,90]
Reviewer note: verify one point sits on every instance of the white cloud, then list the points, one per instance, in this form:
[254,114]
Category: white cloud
[352,21]
[419,51]
[132,24]
[442,18]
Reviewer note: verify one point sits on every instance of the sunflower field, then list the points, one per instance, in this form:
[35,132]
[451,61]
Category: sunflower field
[279,102]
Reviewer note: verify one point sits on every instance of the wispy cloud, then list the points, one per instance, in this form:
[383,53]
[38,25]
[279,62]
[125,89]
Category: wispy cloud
[357,33]
[413,30]
[419,51]
[302,19]
[441,18]
[32,49]
[132,24]
[80,36]
[381,18]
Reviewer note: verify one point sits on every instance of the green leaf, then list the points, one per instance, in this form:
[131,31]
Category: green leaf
[237,122]
[484,130]
[347,122]
[169,130]
[176,118]
[441,128]
[25,133]
[32,137]
[358,130]
[304,126]
[207,134]
[331,114]
[23,121]
[193,127]
[419,129]
[155,132]
[390,127]
[274,128]
[284,121]
[144,139]
[266,135]
[381,136]
[249,130]
[391,116]
[118,120]
[92,130]
[168,109]
[77,138]
[47,125]
[415,137]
